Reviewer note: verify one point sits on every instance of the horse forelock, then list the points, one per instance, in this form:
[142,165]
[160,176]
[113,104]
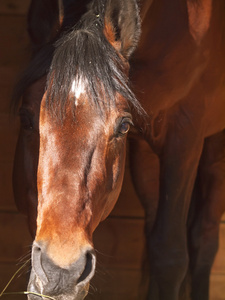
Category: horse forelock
[84,54]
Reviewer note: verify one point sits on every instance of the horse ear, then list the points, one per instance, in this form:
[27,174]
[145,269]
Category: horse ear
[199,15]
[44,20]
[122,25]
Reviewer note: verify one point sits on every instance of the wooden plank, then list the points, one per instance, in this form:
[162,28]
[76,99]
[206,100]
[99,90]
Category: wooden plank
[15,240]
[6,194]
[117,284]
[18,284]
[223,218]
[219,263]
[217,287]
[120,243]
[7,75]
[8,138]
[15,7]
[13,36]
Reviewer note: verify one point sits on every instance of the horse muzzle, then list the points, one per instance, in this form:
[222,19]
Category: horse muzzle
[54,282]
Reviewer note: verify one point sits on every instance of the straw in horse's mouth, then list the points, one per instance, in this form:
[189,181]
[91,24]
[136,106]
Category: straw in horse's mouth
[28,293]
[24,292]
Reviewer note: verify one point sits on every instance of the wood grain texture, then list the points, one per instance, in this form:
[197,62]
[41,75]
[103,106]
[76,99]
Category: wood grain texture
[219,263]
[18,284]
[6,194]
[14,38]
[7,137]
[14,7]
[15,240]
[217,288]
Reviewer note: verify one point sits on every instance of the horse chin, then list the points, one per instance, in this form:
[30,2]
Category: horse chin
[79,292]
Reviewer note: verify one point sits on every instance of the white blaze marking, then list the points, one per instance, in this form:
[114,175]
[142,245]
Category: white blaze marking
[78,88]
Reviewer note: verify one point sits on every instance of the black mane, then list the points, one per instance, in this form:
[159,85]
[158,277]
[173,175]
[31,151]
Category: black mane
[85,53]
[81,53]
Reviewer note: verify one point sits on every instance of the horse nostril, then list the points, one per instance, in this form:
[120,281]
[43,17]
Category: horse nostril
[36,249]
[52,279]
[89,268]
[37,263]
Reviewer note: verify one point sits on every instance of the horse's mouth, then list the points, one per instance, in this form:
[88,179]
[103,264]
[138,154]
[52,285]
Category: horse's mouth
[79,293]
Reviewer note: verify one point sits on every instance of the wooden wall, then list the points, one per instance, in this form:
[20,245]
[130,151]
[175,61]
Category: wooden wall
[119,240]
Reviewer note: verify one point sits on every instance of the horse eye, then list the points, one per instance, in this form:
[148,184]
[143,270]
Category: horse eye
[26,119]
[124,126]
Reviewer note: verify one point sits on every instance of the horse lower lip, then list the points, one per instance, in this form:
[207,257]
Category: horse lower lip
[39,283]
[80,292]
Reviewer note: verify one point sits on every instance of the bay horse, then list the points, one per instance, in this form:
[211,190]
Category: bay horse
[77,108]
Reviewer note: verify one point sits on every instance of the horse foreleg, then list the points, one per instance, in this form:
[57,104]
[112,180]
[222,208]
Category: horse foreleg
[211,205]
[144,166]
[168,243]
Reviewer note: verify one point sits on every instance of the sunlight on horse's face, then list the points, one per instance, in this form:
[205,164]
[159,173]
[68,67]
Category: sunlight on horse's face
[80,173]
[78,88]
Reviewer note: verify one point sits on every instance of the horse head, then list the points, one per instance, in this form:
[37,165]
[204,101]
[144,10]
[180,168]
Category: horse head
[84,117]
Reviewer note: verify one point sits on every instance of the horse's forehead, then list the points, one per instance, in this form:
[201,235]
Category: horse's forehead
[81,111]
